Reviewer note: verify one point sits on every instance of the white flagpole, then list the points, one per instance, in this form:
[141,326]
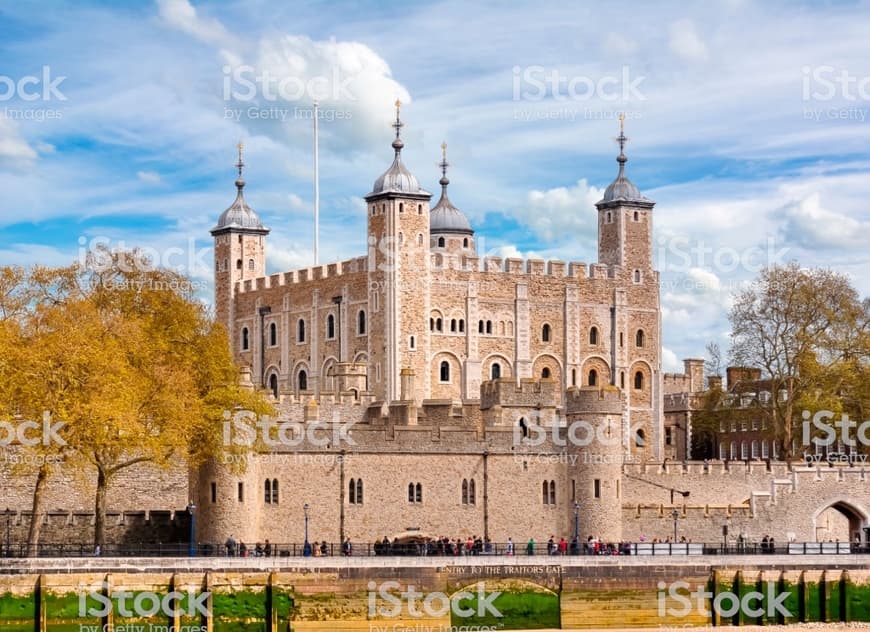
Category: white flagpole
[316,192]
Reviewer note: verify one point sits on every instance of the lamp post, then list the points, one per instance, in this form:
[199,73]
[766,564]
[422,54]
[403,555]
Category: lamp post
[8,538]
[191,509]
[676,516]
[306,548]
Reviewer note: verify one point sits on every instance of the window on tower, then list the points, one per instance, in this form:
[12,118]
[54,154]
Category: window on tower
[593,336]
[245,339]
[638,380]
[440,242]
[250,264]
[300,331]
[330,327]
[545,333]
[273,334]
[361,323]
[444,371]
[593,377]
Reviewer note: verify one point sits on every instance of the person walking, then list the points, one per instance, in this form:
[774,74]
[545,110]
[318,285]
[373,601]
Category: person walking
[509,549]
[530,547]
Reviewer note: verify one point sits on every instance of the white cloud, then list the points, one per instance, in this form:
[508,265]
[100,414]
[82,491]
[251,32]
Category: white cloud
[685,43]
[811,225]
[561,211]
[617,44]
[670,362]
[182,15]
[149,177]
[13,147]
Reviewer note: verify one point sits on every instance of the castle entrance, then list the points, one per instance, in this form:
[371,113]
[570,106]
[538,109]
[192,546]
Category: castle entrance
[841,521]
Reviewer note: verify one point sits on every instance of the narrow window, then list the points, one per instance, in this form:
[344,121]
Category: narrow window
[420,211]
[573,377]
[303,381]
[330,327]
[465,242]
[461,325]
[241,492]
[638,338]
[273,385]
[596,488]
[636,216]
[545,372]
[638,380]
[621,339]
[445,371]
[593,377]
[273,334]
[545,333]
[238,264]
[637,276]
[401,207]
[214,492]
[361,322]
[440,242]
[593,336]
[453,325]
[640,439]
[274,491]
[495,371]
[267,492]
[669,436]
[250,264]
[351,489]
[545,492]
[300,331]
[489,326]
[410,492]
[245,341]
[480,327]
[439,325]
[464,491]
[418,491]
[412,343]
[552,492]
[471,493]
[359,491]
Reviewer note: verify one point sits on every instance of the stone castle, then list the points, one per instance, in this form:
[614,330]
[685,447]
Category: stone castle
[432,392]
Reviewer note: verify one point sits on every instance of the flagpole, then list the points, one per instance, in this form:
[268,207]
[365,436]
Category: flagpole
[316,192]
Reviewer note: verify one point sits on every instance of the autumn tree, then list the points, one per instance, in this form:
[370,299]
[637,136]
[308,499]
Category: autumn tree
[131,362]
[804,328]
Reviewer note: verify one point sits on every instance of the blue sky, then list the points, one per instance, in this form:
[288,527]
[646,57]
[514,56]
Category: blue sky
[748,124]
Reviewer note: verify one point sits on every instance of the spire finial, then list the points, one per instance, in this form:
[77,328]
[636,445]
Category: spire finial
[397,143]
[240,182]
[444,164]
[621,139]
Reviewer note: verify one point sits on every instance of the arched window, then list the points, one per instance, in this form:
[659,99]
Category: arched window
[636,216]
[472,500]
[267,492]
[495,371]
[359,491]
[444,372]
[303,381]
[419,209]
[273,385]
[461,325]
[415,493]
[300,331]
[245,340]
[573,377]
[440,242]
[545,372]
[545,492]
[593,377]
[489,326]
[274,491]
[593,336]
[250,264]
[622,379]
[453,324]
[439,325]
[552,492]
[361,322]
[401,207]
[480,327]
[330,327]
[419,239]
[545,333]
[464,491]
[465,242]
[273,334]
[638,380]
[238,264]
[637,276]
[640,438]
[431,324]
[638,338]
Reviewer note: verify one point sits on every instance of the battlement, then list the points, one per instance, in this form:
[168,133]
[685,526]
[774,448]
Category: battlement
[304,275]
[530,392]
[517,266]
[608,400]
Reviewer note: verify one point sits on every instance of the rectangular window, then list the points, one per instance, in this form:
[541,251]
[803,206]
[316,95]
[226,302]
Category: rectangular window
[241,492]
[214,492]
[669,435]
[597,488]
[573,489]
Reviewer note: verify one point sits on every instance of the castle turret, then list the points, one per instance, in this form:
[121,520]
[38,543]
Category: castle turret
[599,442]
[399,288]
[449,229]
[239,250]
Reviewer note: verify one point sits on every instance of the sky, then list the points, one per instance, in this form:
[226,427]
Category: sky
[748,124]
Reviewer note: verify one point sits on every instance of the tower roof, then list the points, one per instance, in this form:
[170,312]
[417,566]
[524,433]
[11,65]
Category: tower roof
[446,218]
[239,215]
[397,179]
[622,189]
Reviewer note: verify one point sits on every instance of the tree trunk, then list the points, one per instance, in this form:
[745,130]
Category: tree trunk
[36,511]
[100,508]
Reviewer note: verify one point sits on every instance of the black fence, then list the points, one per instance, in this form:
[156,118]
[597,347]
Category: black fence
[428,548]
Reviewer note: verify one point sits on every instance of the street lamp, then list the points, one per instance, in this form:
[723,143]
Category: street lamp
[676,516]
[8,539]
[191,509]
[306,548]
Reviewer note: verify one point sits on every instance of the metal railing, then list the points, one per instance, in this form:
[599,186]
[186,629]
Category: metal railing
[428,548]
